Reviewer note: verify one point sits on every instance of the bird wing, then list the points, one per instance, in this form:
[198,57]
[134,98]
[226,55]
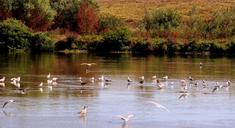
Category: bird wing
[159,105]
[121,117]
[5,103]
[182,95]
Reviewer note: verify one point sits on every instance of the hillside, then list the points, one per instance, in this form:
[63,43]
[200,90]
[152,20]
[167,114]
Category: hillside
[133,10]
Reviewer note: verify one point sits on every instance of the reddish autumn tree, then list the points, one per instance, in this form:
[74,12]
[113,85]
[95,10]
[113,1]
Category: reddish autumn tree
[87,18]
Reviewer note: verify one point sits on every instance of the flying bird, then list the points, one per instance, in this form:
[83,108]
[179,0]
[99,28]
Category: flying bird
[88,64]
[7,102]
[125,119]
[158,105]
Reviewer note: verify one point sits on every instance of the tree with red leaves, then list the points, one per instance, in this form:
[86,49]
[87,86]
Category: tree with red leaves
[87,18]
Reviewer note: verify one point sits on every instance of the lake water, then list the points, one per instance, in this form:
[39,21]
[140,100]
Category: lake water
[58,105]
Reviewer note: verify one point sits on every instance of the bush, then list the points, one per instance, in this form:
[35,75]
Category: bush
[116,40]
[200,46]
[159,45]
[41,42]
[89,42]
[14,35]
[140,46]
[231,46]
[109,22]
[216,47]
[69,43]
[161,20]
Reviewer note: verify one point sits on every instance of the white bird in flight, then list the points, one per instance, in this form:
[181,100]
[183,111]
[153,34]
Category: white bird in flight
[7,102]
[125,119]
[88,64]
[158,105]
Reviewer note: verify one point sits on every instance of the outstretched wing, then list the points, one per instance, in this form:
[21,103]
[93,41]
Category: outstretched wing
[159,105]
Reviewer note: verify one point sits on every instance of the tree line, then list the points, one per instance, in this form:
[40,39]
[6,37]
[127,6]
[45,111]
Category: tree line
[26,23]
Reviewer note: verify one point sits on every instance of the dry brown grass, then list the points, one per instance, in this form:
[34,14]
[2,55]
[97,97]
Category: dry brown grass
[133,10]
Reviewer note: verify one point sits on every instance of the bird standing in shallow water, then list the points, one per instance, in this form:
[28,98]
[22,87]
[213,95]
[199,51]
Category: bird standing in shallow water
[141,80]
[83,112]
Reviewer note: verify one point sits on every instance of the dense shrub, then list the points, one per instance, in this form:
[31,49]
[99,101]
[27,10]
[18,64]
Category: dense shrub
[41,42]
[89,42]
[159,45]
[231,46]
[115,40]
[109,22]
[140,46]
[216,47]
[69,43]
[161,20]
[14,35]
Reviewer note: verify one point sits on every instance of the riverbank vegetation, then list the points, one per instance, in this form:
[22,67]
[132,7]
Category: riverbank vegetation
[58,25]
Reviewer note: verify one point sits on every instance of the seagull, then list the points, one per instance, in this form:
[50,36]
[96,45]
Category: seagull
[83,112]
[92,79]
[15,79]
[49,76]
[160,85]
[227,84]
[54,79]
[108,80]
[7,102]
[129,80]
[154,77]
[204,85]
[158,105]
[49,81]
[101,78]
[165,77]
[41,84]
[125,119]
[141,80]
[2,79]
[88,64]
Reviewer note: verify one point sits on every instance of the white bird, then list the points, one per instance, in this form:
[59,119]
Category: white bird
[101,78]
[41,89]
[160,84]
[49,81]
[41,84]
[2,79]
[7,102]
[54,79]
[158,105]
[141,80]
[125,119]
[154,77]
[227,84]
[50,87]
[49,76]
[129,79]
[83,112]
[165,77]
[15,79]
[88,64]
[92,79]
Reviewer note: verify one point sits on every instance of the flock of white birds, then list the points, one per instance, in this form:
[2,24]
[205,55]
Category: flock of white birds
[160,83]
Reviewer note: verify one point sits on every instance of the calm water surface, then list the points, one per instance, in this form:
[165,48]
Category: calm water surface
[58,107]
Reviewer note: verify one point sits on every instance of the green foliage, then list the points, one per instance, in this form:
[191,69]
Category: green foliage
[41,42]
[231,46]
[89,42]
[116,40]
[160,45]
[14,35]
[140,46]
[109,22]
[161,20]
